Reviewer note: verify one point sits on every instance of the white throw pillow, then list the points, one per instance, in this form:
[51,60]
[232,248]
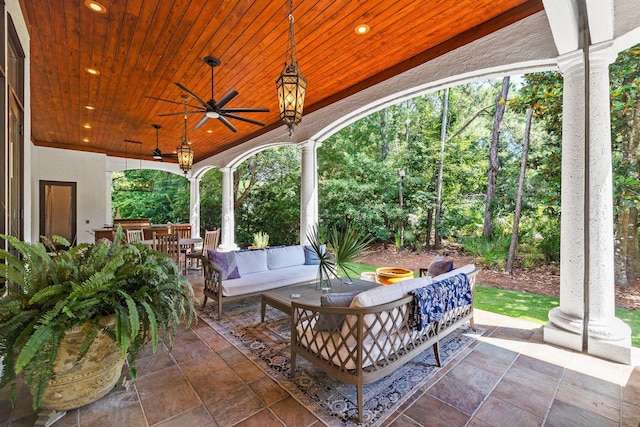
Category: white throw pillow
[254,261]
[287,256]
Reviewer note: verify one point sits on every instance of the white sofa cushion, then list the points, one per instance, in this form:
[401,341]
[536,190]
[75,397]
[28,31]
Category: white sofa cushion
[284,257]
[250,262]
[270,279]
[389,293]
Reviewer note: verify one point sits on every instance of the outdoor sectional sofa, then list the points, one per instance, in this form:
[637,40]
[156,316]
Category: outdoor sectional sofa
[258,270]
[376,334]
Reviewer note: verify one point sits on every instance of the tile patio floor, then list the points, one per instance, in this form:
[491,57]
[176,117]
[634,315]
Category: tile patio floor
[509,377]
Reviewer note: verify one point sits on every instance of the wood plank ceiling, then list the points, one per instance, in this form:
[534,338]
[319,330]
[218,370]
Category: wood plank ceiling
[141,47]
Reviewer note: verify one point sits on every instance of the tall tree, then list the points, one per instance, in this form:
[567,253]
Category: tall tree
[494,163]
[625,127]
[523,170]
[384,133]
[443,137]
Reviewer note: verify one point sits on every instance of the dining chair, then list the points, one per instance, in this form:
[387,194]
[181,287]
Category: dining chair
[134,236]
[148,232]
[184,232]
[170,245]
[209,243]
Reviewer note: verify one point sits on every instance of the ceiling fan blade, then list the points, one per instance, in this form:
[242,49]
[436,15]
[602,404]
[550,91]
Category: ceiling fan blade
[244,119]
[196,97]
[132,141]
[201,122]
[244,110]
[181,113]
[227,124]
[226,98]
[171,101]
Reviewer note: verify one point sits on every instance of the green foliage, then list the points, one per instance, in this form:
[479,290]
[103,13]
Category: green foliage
[169,201]
[273,205]
[492,252]
[51,291]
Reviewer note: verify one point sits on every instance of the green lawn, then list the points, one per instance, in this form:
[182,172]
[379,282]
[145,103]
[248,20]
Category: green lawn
[532,307]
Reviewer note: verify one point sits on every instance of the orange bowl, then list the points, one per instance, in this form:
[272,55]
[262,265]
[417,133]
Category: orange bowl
[391,275]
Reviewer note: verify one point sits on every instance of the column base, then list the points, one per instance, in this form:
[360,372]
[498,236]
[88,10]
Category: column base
[228,248]
[552,334]
[611,341]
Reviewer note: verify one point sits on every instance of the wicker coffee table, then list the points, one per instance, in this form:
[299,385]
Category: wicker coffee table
[280,298]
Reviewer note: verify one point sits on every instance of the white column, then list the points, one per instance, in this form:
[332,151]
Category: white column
[108,202]
[308,188]
[609,337]
[194,206]
[228,215]
[565,322]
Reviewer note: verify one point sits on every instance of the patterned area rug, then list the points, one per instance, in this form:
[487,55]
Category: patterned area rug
[333,402]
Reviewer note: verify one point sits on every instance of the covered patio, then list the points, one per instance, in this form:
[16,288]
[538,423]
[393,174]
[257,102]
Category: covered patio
[139,49]
[510,376]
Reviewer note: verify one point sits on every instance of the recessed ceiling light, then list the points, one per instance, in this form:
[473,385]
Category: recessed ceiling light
[209,131]
[362,29]
[92,71]
[87,126]
[85,139]
[89,107]
[95,6]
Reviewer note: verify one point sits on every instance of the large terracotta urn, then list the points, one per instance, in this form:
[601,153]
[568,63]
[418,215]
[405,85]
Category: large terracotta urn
[77,384]
[391,275]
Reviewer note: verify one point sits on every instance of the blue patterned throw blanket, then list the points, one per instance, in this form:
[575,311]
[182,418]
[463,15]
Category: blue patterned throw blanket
[435,299]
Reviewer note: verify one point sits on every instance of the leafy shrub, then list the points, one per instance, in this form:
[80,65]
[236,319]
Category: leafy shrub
[493,253]
[550,246]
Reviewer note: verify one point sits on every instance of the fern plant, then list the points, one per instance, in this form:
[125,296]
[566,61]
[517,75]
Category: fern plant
[50,291]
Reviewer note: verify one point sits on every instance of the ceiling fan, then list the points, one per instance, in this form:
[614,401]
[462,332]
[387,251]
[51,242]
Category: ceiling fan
[213,109]
[156,153]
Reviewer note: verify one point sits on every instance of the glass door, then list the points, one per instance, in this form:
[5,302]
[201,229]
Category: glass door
[58,210]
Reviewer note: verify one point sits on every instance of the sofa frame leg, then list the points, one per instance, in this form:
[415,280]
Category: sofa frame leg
[436,352]
[360,408]
[473,324]
[205,301]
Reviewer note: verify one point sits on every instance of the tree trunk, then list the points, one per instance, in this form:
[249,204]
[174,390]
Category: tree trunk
[427,241]
[383,132]
[523,170]
[626,254]
[443,137]
[626,226]
[239,198]
[494,163]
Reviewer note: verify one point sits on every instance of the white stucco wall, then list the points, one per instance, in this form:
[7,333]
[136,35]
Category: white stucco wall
[87,170]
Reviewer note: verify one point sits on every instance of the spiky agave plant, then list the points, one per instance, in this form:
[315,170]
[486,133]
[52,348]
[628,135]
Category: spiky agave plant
[50,291]
[348,245]
[326,260]
[345,248]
